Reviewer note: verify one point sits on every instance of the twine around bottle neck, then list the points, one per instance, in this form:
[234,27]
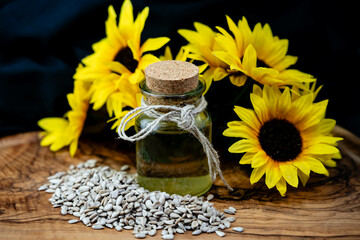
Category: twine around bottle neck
[184,117]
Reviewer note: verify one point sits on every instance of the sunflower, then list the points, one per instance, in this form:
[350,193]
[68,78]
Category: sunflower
[201,45]
[108,76]
[285,137]
[258,54]
[118,62]
[61,132]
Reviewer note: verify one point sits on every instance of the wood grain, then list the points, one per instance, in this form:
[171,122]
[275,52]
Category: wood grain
[327,208]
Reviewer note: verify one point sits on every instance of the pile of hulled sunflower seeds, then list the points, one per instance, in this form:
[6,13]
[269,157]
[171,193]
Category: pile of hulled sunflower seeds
[102,197]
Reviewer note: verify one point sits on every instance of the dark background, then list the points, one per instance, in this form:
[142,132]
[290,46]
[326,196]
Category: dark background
[42,42]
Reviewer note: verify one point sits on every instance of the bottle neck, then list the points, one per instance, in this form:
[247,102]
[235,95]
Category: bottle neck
[177,99]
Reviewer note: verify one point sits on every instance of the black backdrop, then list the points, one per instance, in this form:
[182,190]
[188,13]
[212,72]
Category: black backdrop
[42,41]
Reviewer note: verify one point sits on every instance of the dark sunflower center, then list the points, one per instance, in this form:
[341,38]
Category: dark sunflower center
[280,139]
[126,58]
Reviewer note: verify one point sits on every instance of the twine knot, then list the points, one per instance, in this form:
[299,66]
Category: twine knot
[185,119]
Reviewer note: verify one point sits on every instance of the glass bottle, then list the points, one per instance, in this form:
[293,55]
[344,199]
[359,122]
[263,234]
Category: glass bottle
[171,159]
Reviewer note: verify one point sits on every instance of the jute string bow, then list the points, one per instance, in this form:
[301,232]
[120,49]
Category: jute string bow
[184,117]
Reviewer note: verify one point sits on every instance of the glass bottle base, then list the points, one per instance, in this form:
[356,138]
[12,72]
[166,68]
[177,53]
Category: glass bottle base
[195,186]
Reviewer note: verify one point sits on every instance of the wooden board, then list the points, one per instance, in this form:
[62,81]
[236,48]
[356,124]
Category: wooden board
[325,208]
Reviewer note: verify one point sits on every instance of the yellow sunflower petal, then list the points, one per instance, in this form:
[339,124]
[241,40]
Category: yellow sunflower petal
[336,155]
[303,177]
[300,107]
[247,158]
[152,44]
[302,165]
[52,123]
[208,76]
[260,107]
[229,59]
[219,74]
[60,143]
[325,126]
[237,34]
[284,102]
[126,18]
[244,145]
[249,59]
[257,174]
[315,165]
[248,116]
[134,47]
[329,163]
[245,31]
[201,67]
[273,174]
[289,172]
[241,131]
[286,62]
[325,139]
[117,67]
[136,77]
[259,159]
[206,31]
[140,23]
[112,33]
[49,138]
[314,117]
[73,147]
[191,36]
[146,60]
[281,186]
[238,79]
[167,54]
[321,149]
[257,90]
[235,124]
[270,96]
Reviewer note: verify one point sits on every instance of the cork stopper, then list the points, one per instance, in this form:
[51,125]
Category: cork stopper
[171,76]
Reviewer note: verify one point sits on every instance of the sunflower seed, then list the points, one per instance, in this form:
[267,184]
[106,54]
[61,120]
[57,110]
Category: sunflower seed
[72,221]
[228,211]
[140,235]
[174,215]
[226,224]
[43,187]
[108,207]
[238,229]
[168,222]
[125,167]
[230,219]
[71,196]
[210,197]
[168,237]
[148,204]
[102,197]
[232,209]
[203,218]
[63,210]
[97,227]
[220,233]
[194,224]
